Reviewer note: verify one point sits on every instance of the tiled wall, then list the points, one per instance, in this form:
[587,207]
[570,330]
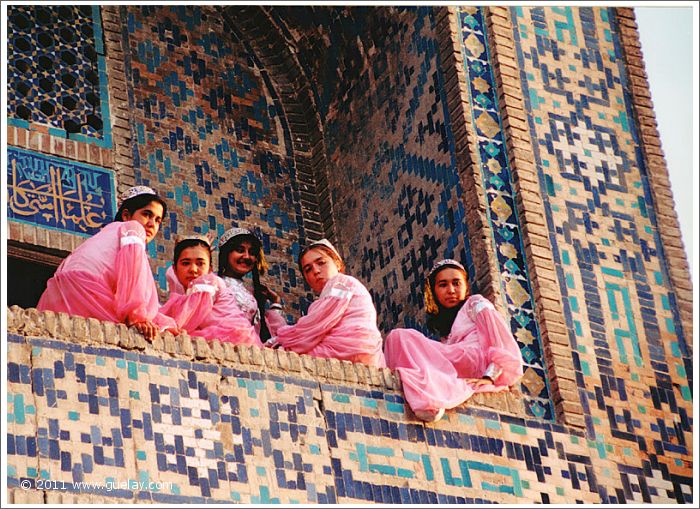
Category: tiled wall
[195,121]
[209,137]
[205,131]
[180,422]
[396,192]
[620,308]
[398,196]
[549,113]
[59,118]
[57,74]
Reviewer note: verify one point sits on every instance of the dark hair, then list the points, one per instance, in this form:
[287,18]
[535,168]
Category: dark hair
[182,245]
[325,250]
[138,202]
[443,321]
[260,298]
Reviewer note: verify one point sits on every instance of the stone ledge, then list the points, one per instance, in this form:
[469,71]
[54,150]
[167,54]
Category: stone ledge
[33,323]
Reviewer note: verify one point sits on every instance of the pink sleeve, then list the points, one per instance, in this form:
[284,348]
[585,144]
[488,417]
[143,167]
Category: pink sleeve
[188,311]
[136,297]
[274,319]
[324,314]
[501,346]
[190,307]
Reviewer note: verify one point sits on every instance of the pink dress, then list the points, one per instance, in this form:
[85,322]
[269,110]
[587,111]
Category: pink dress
[432,373]
[249,306]
[108,277]
[208,309]
[341,324]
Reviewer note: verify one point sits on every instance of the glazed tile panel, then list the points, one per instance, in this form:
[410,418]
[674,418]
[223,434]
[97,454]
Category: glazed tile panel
[56,72]
[204,432]
[57,193]
[633,365]
[501,210]
[208,135]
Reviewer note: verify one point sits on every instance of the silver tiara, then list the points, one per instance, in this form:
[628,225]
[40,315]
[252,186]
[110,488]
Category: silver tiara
[442,263]
[135,191]
[207,238]
[234,232]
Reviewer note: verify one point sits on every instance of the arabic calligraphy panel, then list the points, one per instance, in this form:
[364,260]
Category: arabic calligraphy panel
[58,193]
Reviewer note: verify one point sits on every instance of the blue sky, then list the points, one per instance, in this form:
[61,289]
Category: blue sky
[666,34]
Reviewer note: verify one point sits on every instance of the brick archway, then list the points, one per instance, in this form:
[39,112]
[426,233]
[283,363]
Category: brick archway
[261,34]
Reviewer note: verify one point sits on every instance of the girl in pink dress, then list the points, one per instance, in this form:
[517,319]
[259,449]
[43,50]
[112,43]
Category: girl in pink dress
[342,323]
[108,276]
[477,351]
[200,302]
[241,253]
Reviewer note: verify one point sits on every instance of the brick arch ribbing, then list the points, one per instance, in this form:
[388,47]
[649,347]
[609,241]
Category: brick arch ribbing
[261,35]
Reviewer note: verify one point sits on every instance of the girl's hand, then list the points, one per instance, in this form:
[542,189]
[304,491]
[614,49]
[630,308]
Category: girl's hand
[476,382]
[173,330]
[147,328]
[272,343]
[270,295]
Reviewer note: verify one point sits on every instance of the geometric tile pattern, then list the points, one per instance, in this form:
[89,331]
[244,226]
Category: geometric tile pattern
[397,198]
[56,193]
[167,430]
[501,210]
[624,326]
[56,71]
[206,130]
[208,135]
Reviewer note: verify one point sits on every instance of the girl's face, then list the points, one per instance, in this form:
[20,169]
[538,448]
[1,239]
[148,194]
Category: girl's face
[194,261]
[450,287]
[242,259]
[318,268]
[149,216]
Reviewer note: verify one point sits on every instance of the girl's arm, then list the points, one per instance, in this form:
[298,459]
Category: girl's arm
[275,319]
[324,314]
[504,360]
[190,308]
[136,298]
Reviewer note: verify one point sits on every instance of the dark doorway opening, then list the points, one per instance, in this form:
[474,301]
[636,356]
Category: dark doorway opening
[28,271]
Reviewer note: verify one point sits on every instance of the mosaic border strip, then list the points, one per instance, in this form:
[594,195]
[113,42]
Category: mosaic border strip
[501,207]
[633,130]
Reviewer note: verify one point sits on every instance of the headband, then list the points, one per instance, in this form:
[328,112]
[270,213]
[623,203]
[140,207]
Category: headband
[324,243]
[207,238]
[446,261]
[235,232]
